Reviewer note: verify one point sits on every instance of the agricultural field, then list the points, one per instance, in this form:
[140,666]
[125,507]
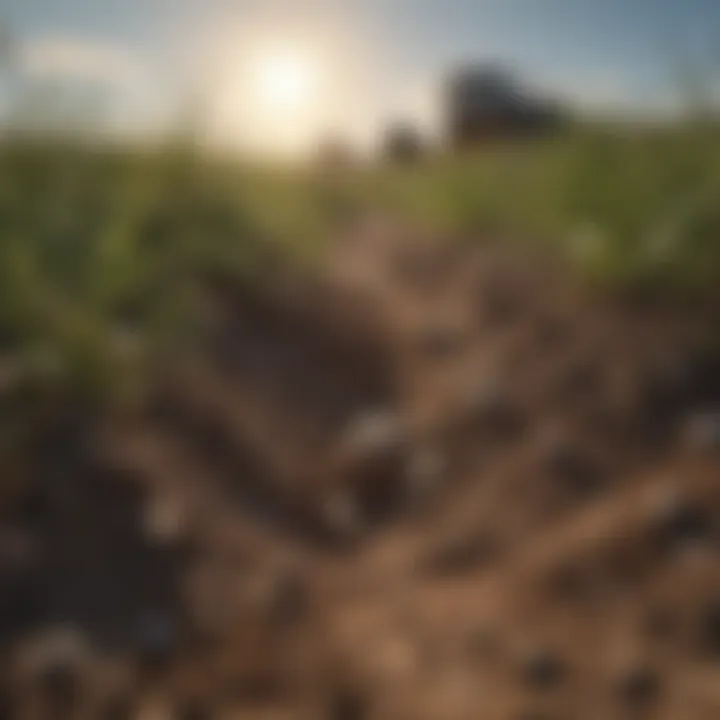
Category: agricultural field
[106,247]
[372,441]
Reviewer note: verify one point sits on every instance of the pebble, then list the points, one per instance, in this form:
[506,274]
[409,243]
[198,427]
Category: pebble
[373,431]
[164,519]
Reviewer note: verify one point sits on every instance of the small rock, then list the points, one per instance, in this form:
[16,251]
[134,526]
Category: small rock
[638,686]
[164,519]
[542,669]
[374,431]
[371,464]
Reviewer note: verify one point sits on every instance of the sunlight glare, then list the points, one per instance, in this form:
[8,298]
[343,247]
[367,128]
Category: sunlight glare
[286,81]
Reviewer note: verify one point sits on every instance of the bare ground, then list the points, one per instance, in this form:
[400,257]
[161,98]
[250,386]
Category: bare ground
[443,482]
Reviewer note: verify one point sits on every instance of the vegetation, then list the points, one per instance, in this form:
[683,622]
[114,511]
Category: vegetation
[103,252]
[630,205]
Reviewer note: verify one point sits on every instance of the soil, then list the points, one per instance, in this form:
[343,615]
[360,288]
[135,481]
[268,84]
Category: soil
[443,481]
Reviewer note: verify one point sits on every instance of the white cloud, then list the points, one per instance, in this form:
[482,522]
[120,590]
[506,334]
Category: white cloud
[81,59]
[123,90]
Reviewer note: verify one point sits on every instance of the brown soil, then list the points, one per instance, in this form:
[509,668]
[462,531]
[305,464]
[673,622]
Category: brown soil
[443,482]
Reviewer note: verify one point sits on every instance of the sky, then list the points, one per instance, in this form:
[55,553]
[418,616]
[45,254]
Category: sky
[354,65]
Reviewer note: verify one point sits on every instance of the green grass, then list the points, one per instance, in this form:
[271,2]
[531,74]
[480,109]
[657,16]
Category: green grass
[103,255]
[103,252]
[630,206]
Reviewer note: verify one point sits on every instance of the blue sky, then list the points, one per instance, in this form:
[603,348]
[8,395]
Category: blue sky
[393,52]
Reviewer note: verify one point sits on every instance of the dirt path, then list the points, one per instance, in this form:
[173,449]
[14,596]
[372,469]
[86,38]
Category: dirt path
[441,482]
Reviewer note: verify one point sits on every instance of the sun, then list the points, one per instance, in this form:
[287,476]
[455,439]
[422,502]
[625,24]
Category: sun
[273,96]
[286,80]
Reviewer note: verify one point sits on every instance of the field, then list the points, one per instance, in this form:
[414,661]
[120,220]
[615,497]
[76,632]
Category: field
[631,206]
[364,442]
[103,243]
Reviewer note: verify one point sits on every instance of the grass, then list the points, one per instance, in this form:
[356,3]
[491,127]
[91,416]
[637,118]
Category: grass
[103,255]
[103,251]
[630,206]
